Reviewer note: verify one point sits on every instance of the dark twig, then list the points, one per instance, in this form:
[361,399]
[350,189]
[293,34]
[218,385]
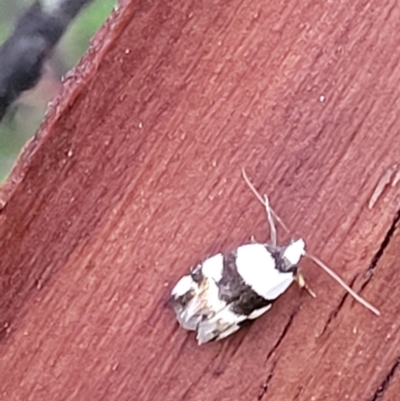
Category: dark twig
[23,54]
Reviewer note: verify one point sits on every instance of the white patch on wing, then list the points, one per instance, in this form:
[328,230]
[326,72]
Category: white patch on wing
[257,268]
[184,285]
[214,303]
[281,284]
[294,251]
[258,312]
[212,267]
[188,316]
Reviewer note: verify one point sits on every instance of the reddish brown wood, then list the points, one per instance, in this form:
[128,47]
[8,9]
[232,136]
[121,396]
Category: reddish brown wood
[135,176]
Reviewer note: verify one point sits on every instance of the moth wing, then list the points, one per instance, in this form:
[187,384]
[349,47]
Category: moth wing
[194,312]
[258,269]
[258,312]
[219,325]
[278,285]
[195,302]
[228,331]
[186,303]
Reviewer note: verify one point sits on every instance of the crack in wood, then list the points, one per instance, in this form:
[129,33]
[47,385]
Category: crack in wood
[380,391]
[283,334]
[298,394]
[186,393]
[335,312]
[382,248]
[194,384]
[265,385]
[238,345]
[369,273]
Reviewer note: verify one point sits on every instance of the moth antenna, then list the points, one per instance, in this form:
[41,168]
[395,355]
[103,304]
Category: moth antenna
[340,281]
[317,261]
[252,187]
[270,212]
[262,201]
[279,220]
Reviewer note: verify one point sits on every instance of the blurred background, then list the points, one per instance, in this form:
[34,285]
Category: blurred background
[24,117]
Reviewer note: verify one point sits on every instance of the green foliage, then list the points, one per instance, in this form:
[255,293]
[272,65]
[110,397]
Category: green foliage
[76,40]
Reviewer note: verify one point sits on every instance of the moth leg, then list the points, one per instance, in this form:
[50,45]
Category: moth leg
[272,228]
[300,280]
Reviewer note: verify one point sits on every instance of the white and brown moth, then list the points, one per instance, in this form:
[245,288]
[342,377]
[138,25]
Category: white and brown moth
[226,290]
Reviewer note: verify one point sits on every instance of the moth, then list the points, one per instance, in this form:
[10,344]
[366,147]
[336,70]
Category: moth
[226,290]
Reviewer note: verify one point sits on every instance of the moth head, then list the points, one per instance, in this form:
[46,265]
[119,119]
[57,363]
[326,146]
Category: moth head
[294,251]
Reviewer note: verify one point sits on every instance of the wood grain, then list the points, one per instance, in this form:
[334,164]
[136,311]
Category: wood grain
[134,177]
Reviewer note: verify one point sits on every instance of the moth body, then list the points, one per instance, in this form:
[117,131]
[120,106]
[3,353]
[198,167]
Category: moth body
[226,290]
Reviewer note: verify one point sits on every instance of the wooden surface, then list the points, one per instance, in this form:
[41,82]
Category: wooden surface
[135,176]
